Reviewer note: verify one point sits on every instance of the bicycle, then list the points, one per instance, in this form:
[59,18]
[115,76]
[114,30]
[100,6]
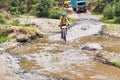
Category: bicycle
[64,32]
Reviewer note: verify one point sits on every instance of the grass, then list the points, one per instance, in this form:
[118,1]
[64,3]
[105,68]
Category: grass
[116,63]
[93,13]
[3,39]
[110,21]
[113,27]
[25,30]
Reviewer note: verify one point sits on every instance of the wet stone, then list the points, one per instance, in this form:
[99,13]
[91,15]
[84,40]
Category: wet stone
[92,47]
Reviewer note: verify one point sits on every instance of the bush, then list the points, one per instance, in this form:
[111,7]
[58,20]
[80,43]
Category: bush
[43,8]
[117,20]
[17,10]
[55,14]
[109,12]
[14,11]
[2,19]
[117,9]
[15,22]
[117,63]
[33,11]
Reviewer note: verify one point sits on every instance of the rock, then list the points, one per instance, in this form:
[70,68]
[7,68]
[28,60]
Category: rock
[22,38]
[12,35]
[92,47]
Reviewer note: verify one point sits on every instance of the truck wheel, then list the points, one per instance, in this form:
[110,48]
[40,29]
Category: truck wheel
[85,11]
[74,9]
[77,11]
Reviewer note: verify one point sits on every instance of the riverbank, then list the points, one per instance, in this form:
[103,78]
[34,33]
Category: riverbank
[110,54]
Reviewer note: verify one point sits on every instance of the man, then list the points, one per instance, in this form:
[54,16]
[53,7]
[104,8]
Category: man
[63,22]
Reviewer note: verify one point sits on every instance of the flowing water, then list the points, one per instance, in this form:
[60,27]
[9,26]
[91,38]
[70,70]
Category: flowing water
[51,56]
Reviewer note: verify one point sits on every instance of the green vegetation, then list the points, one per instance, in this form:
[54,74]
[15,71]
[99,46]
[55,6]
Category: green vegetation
[3,39]
[15,22]
[55,14]
[3,34]
[2,19]
[110,10]
[116,63]
[39,8]
[110,21]
[43,7]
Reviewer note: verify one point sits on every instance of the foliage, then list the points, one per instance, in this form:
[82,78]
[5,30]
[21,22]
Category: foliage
[117,63]
[15,22]
[17,10]
[109,12]
[110,9]
[2,19]
[112,21]
[43,7]
[117,20]
[117,9]
[33,11]
[101,4]
[3,31]
[3,39]
[55,14]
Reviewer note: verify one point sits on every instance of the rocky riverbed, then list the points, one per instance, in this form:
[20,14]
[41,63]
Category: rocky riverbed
[50,58]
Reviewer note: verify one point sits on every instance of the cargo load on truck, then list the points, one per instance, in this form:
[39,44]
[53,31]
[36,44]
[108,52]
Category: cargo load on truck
[79,5]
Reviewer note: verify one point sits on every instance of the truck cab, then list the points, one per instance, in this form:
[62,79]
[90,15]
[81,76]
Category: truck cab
[79,5]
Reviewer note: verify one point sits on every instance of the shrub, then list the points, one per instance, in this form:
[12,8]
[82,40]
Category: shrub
[33,11]
[55,14]
[117,20]
[117,63]
[2,19]
[17,10]
[109,12]
[15,22]
[117,9]
[43,7]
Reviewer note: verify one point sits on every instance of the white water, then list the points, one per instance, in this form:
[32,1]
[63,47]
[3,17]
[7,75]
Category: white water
[78,31]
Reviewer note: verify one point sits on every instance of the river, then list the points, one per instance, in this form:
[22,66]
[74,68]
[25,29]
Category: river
[51,56]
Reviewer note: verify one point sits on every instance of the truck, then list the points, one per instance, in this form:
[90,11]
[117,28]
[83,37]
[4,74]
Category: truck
[79,5]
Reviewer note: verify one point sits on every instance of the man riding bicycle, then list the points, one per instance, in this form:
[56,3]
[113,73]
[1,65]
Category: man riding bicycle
[63,22]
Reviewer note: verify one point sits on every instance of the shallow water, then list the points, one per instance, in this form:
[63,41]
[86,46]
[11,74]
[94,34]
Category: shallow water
[66,60]
[51,56]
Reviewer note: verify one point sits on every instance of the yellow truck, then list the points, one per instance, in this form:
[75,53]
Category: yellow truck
[66,3]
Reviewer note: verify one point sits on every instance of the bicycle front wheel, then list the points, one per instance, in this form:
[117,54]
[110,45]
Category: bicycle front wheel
[64,34]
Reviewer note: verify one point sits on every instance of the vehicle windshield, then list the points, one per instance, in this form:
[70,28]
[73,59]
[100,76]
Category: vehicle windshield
[79,4]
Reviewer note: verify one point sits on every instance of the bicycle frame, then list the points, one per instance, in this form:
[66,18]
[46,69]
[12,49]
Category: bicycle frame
[64,32]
